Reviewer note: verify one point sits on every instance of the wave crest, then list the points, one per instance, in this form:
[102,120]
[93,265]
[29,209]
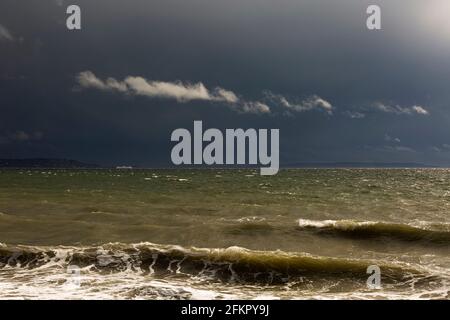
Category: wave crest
[371,229]
[222,264]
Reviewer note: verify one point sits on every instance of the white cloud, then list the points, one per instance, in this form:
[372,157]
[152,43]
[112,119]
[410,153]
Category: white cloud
[395,149]
[113,84]
[185,92]
[435,149]
[404,149]
[396,109]
[255,107]
[88,79]
[179,91]
[355,114]
[226,95]
[312,103]
[391,139]
[420,110]
[5,34]
[182,92]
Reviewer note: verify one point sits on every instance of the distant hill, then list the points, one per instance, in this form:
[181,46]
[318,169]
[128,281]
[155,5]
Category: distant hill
[358,165]
[44,163]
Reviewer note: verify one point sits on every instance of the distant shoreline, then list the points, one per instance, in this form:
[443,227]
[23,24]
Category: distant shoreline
[43,163]
[40,163]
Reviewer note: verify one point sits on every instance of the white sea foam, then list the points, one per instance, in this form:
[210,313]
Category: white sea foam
[50,278]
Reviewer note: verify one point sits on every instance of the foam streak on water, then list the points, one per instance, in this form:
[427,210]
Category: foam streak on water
[150,271]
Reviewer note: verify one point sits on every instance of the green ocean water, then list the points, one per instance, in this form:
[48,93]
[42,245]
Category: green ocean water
[215,233]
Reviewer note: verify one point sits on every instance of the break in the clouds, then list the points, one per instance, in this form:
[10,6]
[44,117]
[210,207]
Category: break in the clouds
[5,34]
[396,109]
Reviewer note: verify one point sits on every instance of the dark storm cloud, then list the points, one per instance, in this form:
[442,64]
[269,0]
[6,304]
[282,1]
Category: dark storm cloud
[334,88]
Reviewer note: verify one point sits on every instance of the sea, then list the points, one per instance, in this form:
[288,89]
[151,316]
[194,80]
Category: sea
[224,234]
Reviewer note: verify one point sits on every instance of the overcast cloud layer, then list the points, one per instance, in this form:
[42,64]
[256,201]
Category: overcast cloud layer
[113,92]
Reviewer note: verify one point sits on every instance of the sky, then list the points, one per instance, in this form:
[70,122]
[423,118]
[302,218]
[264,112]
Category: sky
[112,92]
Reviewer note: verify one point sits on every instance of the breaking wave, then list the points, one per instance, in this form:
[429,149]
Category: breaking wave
[233,264]
[431,234]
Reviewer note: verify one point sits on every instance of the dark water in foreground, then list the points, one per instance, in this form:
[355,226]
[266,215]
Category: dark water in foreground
[187,234]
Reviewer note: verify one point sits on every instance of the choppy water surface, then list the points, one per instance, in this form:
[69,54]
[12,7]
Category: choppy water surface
[188,234]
